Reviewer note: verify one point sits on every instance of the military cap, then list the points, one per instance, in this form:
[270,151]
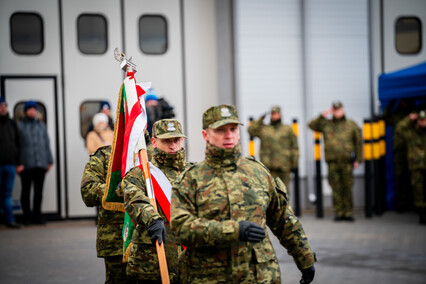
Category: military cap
[216,116]
[422,114]
[275,109]
[167,128]
[337,104]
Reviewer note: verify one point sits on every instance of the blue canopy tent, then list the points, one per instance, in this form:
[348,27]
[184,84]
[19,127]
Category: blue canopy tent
[408,83]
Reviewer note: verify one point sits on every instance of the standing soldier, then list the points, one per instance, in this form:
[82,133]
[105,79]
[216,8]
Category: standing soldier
[278,149]
[404,198]
[416,151]
[109,242]
[221,207]
[169,157]
[342,139]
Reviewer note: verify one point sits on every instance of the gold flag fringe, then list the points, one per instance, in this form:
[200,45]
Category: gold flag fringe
[114,206]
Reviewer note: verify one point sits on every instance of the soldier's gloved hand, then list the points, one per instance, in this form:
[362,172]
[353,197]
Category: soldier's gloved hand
[251,232]
[156,230]
[307,275]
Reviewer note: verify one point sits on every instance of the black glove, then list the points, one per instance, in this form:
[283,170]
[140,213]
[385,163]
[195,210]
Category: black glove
[251,232]
[156,230]
[307,275]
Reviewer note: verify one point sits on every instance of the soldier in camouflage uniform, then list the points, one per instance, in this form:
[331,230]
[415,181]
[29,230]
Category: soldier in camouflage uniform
[403,192]
[169,157]
[342,139]
[221,207]
[415,137]
[109,241]
[279,151]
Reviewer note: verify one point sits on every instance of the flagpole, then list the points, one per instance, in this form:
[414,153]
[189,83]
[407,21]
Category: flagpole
[141,149]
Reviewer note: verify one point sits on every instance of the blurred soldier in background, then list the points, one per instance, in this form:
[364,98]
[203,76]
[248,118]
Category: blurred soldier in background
[221,207]
[169,157]
[403,190]
[342,139]
[415,136]
[278,149]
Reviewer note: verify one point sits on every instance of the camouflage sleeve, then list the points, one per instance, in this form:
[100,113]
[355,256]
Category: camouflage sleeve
[295,150]
[255,130]
[93,180]
[318,123]
[191,230]
[287,227]
[358,144]
[399,141]
[136,201]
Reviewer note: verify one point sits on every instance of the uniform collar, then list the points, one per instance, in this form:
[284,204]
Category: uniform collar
[163,159]
[218,157]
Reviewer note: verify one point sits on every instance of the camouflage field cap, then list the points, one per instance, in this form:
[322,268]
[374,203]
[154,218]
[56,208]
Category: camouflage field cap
[167,128]
[337,104]
[275,109]
[422,114]
[217,116]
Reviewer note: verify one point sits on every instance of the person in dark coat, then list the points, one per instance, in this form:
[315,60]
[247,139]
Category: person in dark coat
[10,162]
[38,160]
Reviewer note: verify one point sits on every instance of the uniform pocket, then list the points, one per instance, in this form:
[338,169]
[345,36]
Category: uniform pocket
[264,251]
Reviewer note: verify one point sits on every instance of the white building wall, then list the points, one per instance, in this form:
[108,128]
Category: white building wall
[270,53]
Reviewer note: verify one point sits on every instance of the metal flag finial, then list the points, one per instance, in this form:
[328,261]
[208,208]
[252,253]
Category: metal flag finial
[126,64]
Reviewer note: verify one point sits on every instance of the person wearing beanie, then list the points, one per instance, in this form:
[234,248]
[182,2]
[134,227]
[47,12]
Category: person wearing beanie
[343,154]
[278,149]
[101,135]
[37,161]
[153,110]
[221,207]
[10,163]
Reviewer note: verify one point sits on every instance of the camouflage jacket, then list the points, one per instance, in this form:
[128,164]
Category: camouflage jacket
[109,241]
[400,143]
[342,139]
[278,148]
[143,261]
[211,198]
[415,137]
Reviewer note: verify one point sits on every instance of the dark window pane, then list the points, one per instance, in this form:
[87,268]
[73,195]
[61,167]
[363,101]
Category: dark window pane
[408,31]
[26,33]
[153,34]
[92,34]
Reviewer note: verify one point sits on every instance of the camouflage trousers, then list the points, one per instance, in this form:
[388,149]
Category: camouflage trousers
[418,182]
[341,180]
[284,176]
[115,271]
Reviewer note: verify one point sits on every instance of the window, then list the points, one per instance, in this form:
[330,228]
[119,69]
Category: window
[153,34]
[87,110]
[92,34]
[408,31]
[26,33]
[18,111]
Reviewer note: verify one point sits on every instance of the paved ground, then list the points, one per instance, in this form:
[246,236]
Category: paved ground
[387,249]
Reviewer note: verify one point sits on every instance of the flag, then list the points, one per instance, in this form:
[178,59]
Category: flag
[128,129]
